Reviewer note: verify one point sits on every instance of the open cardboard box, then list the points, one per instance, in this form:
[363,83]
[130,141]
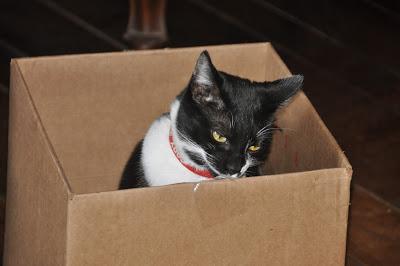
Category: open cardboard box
[74,120]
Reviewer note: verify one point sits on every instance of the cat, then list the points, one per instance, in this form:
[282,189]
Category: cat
[219,126]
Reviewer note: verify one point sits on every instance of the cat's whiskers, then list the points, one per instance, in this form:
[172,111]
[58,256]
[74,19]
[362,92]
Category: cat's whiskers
[210,160]
[263,132]
[263,129]
[210,146]
[266,135]
[197,150]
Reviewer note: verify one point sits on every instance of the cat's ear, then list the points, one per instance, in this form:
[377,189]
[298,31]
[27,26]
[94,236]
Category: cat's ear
[204,82]
[279,92]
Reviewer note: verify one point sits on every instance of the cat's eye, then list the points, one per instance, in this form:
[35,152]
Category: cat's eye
[218,137]
[254,148]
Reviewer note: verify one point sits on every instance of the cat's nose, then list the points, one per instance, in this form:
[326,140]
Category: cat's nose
[233,168]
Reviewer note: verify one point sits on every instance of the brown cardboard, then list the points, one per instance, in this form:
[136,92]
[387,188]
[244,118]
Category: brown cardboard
[74,121]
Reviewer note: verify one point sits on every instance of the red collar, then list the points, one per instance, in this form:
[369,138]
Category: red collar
[203,173]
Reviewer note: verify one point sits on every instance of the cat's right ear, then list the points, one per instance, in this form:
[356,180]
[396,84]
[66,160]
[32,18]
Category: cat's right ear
[204,82]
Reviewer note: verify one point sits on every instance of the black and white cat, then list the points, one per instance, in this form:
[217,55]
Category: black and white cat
[219,126]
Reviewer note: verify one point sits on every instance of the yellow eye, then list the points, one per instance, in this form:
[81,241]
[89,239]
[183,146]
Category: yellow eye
[218,137]
[254,148]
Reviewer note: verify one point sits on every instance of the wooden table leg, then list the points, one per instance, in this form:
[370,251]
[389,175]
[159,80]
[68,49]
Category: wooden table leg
[146,27]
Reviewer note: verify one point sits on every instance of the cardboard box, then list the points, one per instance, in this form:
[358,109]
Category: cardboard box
[74,121]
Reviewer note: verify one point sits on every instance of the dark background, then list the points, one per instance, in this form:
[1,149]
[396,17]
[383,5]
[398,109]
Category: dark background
[347,50]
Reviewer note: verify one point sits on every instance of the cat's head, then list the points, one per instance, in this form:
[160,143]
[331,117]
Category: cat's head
[225,123]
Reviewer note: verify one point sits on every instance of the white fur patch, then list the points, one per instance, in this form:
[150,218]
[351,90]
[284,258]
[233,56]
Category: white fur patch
[161,167]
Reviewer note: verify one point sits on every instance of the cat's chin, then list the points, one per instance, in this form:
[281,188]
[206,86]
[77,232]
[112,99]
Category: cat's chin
[229,176]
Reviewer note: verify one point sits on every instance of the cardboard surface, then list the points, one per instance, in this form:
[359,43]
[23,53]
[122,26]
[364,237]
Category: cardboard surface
[276,220]
[37,196]
[80,117]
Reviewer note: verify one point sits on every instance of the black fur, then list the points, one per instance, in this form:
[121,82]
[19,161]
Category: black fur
[236,108]
[133,172]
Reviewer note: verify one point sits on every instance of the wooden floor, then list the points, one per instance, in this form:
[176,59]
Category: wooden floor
[347,50]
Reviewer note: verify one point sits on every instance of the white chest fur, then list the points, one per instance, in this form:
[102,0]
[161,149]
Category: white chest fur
[160,165]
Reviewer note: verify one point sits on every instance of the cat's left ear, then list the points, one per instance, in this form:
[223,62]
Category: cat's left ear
[205,82]
[280,91]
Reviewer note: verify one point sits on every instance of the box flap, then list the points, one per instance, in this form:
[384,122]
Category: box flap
[37,194]
[289,219]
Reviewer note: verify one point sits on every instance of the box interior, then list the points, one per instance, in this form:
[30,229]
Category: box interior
[95,108]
